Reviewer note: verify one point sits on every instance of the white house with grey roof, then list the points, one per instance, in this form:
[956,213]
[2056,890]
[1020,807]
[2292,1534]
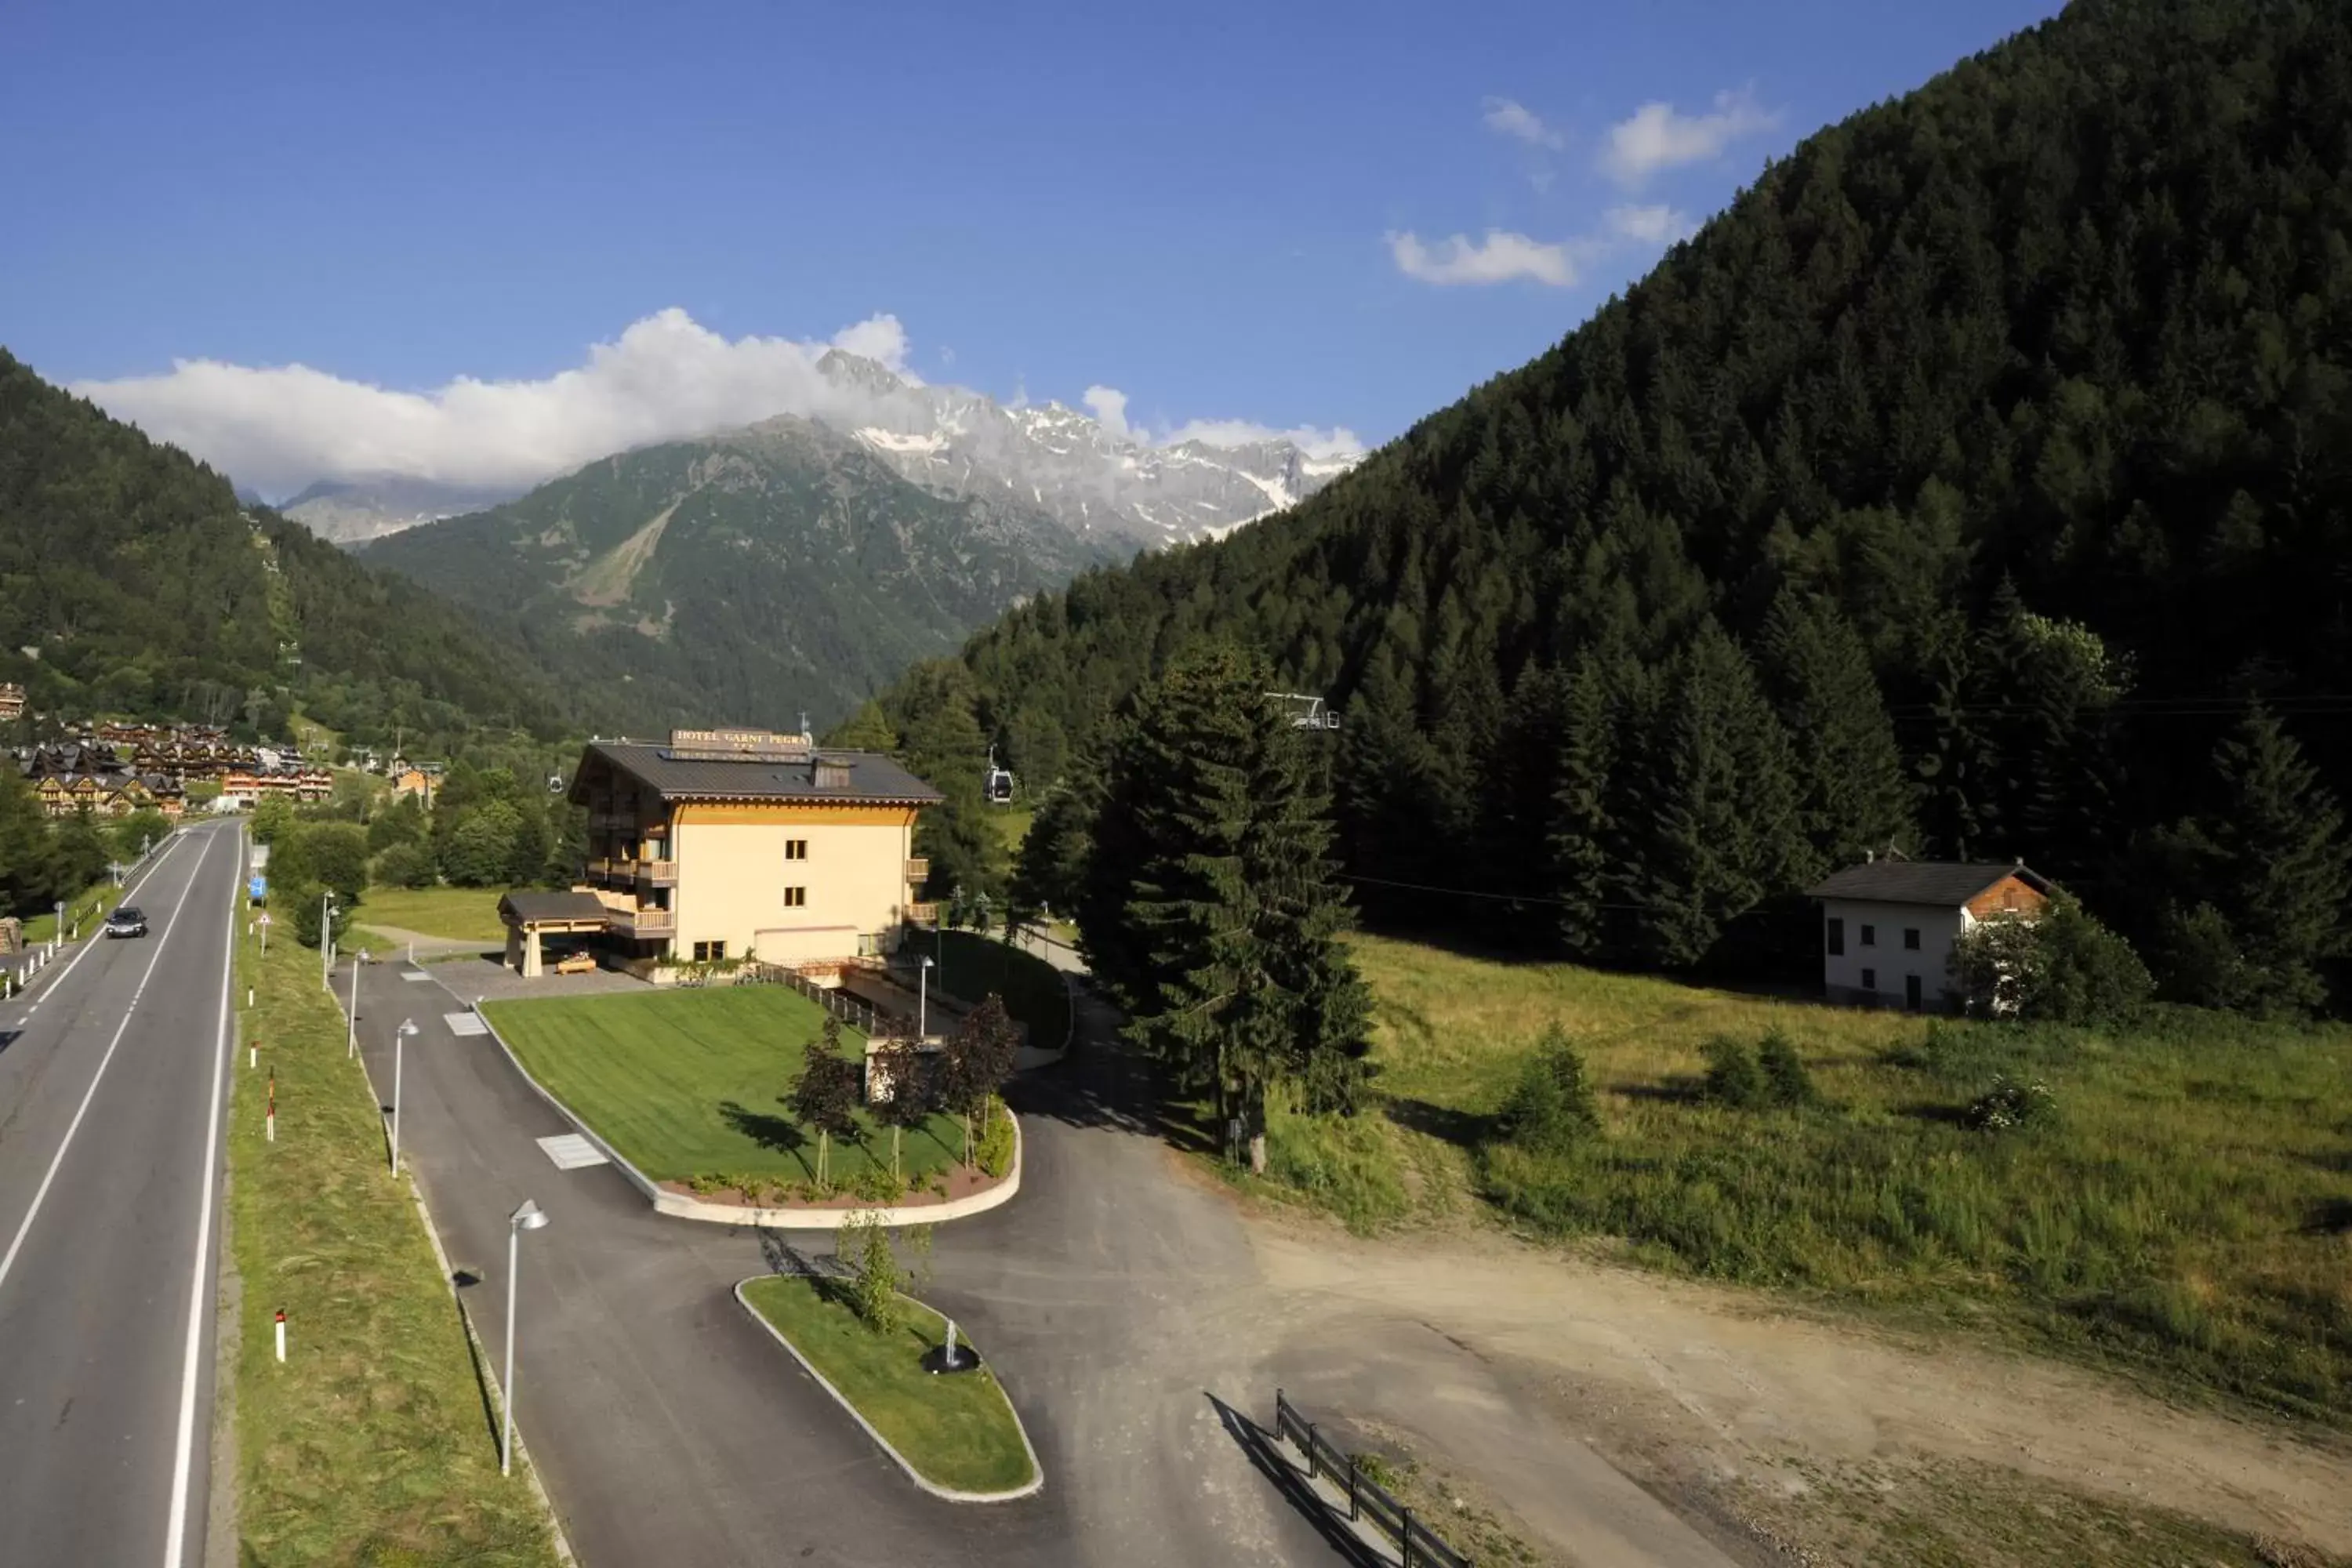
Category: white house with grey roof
[1889,925]
[732,844]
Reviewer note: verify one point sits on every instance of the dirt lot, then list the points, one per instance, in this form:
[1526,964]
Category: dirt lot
[1780,1437]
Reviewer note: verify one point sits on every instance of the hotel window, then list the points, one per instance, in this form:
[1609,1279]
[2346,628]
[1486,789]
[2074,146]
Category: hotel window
[1911,939]
[710,951]
[795,849]
[1870,936]
[795,898]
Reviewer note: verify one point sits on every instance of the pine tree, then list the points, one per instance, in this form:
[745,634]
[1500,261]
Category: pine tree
[2270,864]
[1583,828]
[1851,797]
[868,730]
[1724,833]
[1225,948]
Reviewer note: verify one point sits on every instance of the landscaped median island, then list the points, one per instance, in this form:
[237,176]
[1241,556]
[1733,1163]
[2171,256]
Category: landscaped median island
[956,1430]
[696,1090]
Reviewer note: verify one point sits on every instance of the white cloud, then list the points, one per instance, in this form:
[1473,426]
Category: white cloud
[1659,225]
[1108,406]
[1336,442]
[1656,137]
[1509,118]
[1500,257]
[278,428]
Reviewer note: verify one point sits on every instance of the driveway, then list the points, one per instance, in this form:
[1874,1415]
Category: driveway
[1119,1298]
[670,1429]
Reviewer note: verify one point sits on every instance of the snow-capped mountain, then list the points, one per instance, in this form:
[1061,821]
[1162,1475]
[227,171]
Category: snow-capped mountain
[352,511]
[957,442]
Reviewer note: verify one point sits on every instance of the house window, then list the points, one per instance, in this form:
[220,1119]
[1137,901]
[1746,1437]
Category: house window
[710,951]
[1911,939]
[1869,976]
[1912,996]
[1870,936]
[795,849]
[795,898]
[1837,936]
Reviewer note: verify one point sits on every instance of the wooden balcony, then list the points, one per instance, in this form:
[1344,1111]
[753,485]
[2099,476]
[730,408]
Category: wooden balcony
[918,869]
[620,870]
[922,914]
[644,922]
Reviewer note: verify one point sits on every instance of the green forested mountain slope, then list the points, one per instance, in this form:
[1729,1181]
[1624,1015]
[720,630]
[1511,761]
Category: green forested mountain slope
[140,585]
[1955,488]
[750,576]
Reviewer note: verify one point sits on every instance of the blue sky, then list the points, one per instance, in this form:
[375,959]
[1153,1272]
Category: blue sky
[1224,213]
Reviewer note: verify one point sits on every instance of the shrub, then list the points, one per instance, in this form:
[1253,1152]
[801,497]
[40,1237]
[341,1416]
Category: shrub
[1785,1081]
[1550,1110]
[2063,967]
[406,865]
[2010,1102]
[1733,1077]
[996,1143]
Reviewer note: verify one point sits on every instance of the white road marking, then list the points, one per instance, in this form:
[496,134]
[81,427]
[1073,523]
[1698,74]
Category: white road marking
[571,1152]
[466,1023]
[41,1193]
[175,1544]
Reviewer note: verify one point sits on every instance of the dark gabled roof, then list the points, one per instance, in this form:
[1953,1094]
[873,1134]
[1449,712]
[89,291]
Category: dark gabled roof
[524,909]
[1947,884]
[871,776]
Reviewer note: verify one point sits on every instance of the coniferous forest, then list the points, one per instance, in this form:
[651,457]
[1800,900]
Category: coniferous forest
[1976,485]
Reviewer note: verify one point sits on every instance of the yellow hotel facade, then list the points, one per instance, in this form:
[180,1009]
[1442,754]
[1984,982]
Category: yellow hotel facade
[734,844]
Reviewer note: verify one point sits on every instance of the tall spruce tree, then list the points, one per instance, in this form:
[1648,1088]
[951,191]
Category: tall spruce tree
[1723,832]
[1225,946]
[1585,860]
[1852,796]
[2264,876]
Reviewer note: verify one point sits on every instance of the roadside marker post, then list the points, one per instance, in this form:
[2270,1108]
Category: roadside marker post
[281,1335]
[273,1105]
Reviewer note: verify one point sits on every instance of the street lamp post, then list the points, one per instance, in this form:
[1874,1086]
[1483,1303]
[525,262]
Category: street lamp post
[326,936]
[530,1216]
[399,1039]
[923,1000]
[57,937]
[351,1017]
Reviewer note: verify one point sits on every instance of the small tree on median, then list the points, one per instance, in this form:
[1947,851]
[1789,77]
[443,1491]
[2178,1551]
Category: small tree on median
[911,1089]
[824,1097]
[976,1060]
[862,1243]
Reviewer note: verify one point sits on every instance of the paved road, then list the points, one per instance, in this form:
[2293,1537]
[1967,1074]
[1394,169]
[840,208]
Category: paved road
[669,1428]
[110,1102]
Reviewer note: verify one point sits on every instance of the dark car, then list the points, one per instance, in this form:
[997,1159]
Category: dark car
[126,922]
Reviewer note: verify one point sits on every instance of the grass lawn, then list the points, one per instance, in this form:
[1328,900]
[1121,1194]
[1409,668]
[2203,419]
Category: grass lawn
[373,1443]
[971,966]
[692,1083]
[465,914]
[959,1430]
[2185,1212]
